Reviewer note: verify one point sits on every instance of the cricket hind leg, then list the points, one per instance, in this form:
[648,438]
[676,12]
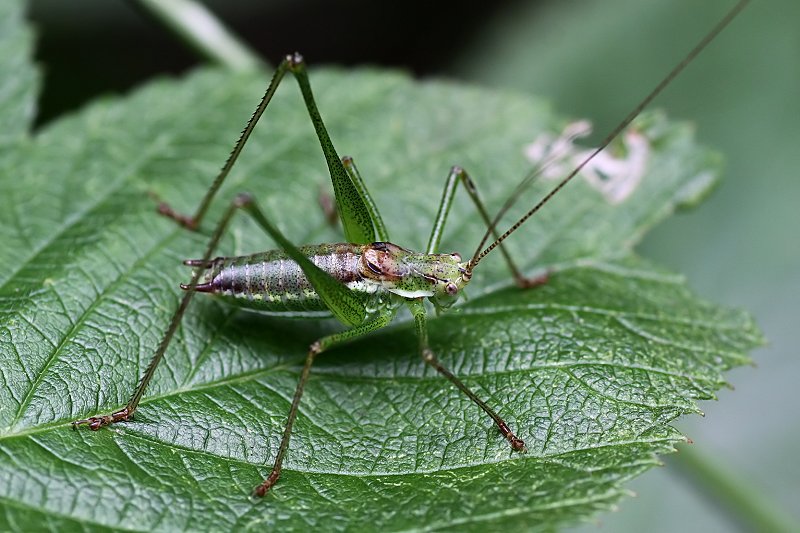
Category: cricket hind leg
[314,350]
[126,413]
[418,310]
[328,203]
[192,222]
[459,175]
[354,205]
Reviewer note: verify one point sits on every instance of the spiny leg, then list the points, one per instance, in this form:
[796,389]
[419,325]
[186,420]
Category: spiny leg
[352,201]
[458,174]
[418,310]
[193,222]
[126,413]
[318,347]
[343,303]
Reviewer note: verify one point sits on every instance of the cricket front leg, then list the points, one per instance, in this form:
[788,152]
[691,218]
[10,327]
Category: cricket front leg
[459,175]
[318,347]
[418,310]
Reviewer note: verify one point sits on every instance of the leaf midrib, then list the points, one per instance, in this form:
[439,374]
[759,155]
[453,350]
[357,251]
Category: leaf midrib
[552,457]
[347,378]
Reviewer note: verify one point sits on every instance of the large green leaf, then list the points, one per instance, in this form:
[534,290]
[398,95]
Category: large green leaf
[589,369]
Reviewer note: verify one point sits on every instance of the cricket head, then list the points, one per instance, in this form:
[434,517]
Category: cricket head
[409,274]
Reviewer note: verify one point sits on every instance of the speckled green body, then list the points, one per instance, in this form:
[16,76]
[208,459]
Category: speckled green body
[271,281]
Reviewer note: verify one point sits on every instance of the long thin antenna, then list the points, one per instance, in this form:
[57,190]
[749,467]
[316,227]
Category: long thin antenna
[526,182]
[710,36]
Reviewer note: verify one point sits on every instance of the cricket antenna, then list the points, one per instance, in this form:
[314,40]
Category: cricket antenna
[710,36]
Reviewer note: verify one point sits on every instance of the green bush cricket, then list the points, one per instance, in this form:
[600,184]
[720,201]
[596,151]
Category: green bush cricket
[361,282]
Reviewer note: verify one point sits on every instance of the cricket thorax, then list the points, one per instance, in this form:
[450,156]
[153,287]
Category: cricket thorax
[413,274]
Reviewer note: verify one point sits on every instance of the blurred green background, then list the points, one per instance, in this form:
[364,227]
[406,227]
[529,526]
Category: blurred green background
[592,59]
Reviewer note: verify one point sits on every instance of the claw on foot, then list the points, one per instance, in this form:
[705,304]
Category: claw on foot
[528,283]
[96,422]
[262,489]
[517,444]
[185,221]
[163,208]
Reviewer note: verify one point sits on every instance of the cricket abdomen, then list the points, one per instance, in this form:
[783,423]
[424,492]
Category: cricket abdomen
[270,281]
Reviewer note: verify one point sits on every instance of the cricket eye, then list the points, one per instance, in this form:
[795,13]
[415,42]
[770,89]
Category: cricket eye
[451,289]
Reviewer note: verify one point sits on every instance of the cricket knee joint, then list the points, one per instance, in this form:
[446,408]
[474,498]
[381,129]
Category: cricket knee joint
[524,282]
[243,199]
[295,60]
[315,348]
[465,179]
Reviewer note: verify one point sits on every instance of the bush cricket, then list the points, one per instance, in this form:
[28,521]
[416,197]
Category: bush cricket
[363,281]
